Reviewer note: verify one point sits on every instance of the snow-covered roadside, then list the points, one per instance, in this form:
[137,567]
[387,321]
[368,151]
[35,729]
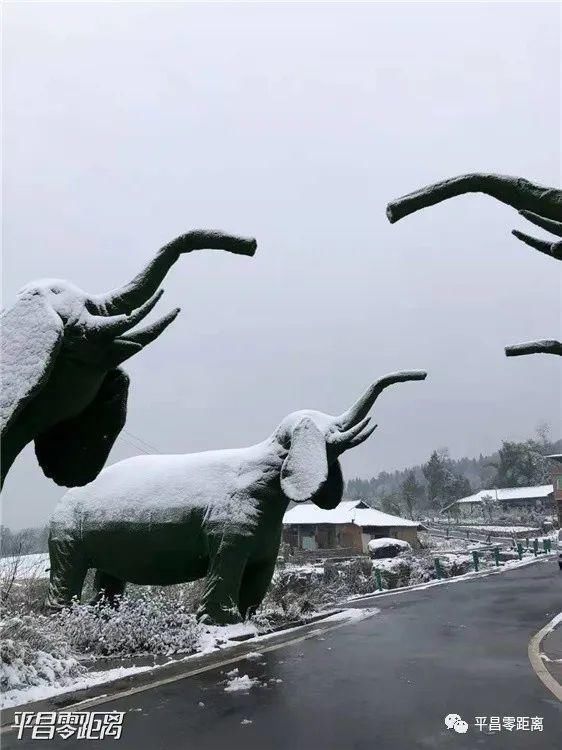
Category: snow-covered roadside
[509,565]
[555,622]
[56,677]
[214,639]
[12,698]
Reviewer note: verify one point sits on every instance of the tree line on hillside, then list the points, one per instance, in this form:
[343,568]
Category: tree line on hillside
[432,486]
[23,542]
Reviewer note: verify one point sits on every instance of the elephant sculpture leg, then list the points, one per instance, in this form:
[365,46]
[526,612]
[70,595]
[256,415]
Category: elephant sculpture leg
[255,582]
[107,587]
[219,603]
[68,571]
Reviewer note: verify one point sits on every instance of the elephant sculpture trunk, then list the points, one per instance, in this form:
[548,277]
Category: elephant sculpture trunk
[364,404]
[514,191]
[145,283]
[547,346]
[540,205]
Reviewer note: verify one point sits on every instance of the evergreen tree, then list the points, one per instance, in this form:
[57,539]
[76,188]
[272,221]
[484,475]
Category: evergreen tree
[520,465]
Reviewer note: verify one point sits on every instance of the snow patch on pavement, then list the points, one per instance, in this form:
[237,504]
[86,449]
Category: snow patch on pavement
[243,682]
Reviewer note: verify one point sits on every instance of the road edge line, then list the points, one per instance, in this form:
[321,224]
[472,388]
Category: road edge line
[537,662]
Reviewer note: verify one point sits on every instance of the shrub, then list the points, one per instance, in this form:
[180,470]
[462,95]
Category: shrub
[152,622]
[33,655]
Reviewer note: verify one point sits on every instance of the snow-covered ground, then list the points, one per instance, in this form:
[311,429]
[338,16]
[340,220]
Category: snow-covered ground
[16,697]
[25,678]
[26,566]
[212,639]
[47,655]
[500,529]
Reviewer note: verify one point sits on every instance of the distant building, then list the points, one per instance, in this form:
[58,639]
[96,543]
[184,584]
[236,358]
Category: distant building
[510,498]
[556,473]
[350,526]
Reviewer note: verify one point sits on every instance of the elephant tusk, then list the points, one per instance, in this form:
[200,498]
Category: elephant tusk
[148,334]
[543,246]
[341,438]
[119,351]
[118,324]
[555,227]
[361,437]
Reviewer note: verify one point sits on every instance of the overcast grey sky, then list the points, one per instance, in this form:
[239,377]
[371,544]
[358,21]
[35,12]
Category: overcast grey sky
[126,125]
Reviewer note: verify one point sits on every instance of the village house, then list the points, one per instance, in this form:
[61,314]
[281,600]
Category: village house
[510,498]
[350,526]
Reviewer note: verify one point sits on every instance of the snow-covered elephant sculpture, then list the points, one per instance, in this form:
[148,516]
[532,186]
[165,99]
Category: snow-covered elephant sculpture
[60,351]
[168,519]
[540,205]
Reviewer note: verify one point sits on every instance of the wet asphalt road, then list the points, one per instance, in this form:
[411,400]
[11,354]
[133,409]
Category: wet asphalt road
[384,683]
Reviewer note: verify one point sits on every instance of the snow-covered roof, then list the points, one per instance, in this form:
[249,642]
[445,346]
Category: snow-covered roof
[348,511]
[508,493]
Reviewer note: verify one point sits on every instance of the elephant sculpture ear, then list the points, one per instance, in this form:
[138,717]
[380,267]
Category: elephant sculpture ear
[73,452]
[305,469]
[31,338]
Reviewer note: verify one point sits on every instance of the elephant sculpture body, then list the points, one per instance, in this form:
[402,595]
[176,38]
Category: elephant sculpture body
[169,519]
[60,351]
[540,205]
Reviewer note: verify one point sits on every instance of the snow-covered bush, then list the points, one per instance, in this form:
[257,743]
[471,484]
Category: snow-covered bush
[349,578]
[422,570]
[455,565]
[152,622]
[293,595]
[33,655]
[395,571]
[22,666]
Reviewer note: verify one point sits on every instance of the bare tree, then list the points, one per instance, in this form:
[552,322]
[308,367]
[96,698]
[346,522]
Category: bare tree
[14,548]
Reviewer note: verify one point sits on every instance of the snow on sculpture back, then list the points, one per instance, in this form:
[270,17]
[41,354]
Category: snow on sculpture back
[169,519]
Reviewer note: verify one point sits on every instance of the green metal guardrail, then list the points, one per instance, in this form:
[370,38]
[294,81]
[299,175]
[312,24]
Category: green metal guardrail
[546,543]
